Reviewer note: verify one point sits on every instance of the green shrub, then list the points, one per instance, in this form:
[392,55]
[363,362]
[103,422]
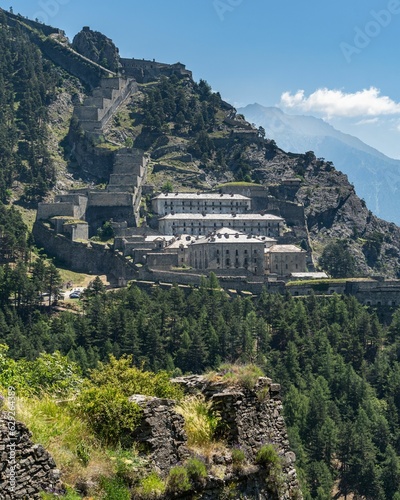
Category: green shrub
[244,375]
[131,380]
[69,495]
[126,463]
[238,457]
[201,421]
[151,486]
[196,469]
[109,414]
[267,456]
[114,489]
[178,480]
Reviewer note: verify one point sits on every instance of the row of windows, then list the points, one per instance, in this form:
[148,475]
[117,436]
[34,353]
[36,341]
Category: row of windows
[237,252]
[238,203]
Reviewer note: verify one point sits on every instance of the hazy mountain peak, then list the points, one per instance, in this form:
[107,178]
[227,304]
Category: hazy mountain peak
[373,174]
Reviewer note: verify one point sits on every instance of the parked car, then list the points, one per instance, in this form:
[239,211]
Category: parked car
[75,295]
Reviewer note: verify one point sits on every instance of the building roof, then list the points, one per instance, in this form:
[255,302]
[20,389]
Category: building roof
[183,240]
[284,249]
[315,276]
[224,217]
[227,235]
[200,196]
[159,237]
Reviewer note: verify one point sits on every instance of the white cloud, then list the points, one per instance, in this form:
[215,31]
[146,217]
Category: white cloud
[368,121]
[330,103]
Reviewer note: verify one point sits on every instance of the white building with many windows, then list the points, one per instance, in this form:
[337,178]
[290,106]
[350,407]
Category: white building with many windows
[204,224]
[209,203]
[285,260]
[227,249]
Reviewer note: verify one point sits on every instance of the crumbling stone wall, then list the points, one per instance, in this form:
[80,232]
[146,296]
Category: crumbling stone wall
[161,432]
[26,469]
[251,417]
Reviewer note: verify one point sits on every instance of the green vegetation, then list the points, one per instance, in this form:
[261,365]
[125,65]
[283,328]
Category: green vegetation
[196,469]
[338,260]
[238,458]
[151,487]
[178,480]
[268,458]
[200,421]
[28,83]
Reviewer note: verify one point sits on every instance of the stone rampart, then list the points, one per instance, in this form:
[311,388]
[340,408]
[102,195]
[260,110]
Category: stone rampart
[14,19]
[30,465]
[106,199]
[127,180]
[161,432]
[145,71]
[104,102]
[48,210]
[162,260]
[84,257]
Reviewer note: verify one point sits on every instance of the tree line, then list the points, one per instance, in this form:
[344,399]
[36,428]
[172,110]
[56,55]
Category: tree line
[337,362]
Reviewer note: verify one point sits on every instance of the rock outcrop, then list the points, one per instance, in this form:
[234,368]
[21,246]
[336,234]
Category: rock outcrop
[97,47]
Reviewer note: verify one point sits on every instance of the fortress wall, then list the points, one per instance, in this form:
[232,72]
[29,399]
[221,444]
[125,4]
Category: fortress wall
[87,113]
[162,260]
[96,102]
[105,199]
[48,210]
[80,257]
[124,179]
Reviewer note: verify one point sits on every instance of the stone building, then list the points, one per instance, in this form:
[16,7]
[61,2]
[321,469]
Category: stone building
[285,260]
[145,71]
[120,200]
[213,203]
[227,249]
[203,224]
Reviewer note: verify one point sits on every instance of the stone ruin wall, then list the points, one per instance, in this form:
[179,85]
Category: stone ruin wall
[35,470]
[250,418]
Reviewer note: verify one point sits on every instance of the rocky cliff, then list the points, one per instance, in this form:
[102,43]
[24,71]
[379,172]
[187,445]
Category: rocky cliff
[97,47]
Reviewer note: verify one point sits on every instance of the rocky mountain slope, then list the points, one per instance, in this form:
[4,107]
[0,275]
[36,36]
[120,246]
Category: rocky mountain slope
[375,176]
[197,141]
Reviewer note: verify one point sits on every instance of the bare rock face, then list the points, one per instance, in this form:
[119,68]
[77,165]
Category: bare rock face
[26,469]
[98,48]
[332,208]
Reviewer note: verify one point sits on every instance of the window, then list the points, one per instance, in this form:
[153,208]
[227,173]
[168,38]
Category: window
[237,253]
[227,252]
[228,262]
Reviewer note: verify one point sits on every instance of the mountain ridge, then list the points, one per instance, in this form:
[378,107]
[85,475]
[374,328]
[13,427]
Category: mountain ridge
[373,173]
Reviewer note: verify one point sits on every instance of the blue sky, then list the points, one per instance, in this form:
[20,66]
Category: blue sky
[342,56]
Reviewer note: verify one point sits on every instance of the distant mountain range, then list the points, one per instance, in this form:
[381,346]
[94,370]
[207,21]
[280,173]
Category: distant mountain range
[375,176]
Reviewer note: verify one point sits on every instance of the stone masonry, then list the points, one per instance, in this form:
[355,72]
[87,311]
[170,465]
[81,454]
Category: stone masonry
[250,418]
[35,470]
